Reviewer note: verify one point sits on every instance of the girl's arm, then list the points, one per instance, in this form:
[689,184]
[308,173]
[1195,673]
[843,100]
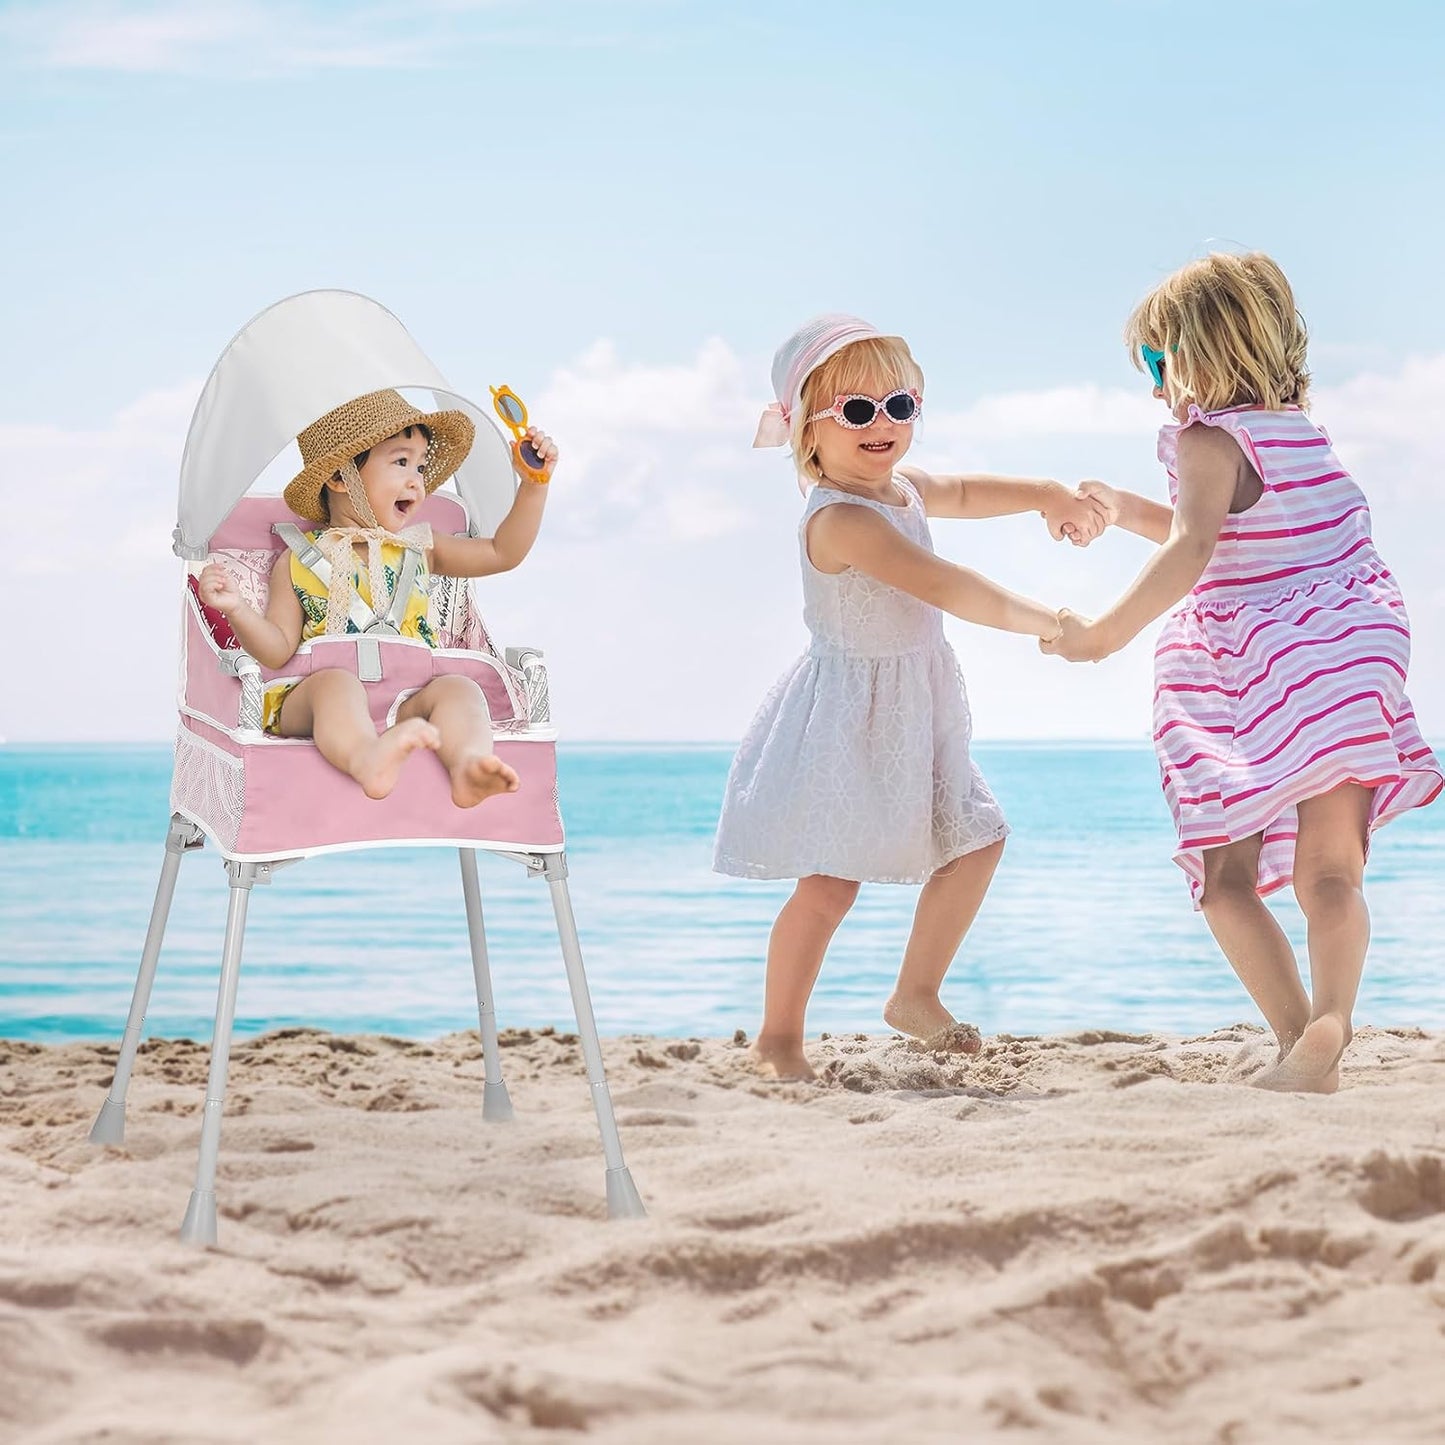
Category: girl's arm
[1140,515]
[1209,463]
[840,537]
[1067,514]
[273,639]
[484,556]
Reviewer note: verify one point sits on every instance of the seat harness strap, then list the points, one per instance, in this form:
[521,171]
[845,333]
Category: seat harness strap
[363,618]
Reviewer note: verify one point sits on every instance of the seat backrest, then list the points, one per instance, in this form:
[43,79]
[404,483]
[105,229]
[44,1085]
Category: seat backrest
[246,546]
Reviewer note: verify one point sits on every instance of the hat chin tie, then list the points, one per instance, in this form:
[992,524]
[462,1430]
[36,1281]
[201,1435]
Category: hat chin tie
[337,545]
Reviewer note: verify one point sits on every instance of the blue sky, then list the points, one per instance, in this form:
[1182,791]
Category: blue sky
[621,208]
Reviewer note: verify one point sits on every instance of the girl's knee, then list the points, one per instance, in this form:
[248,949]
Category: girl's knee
[1230,885]
[1328,890]
[1231,873]
[831,897]
[968,867]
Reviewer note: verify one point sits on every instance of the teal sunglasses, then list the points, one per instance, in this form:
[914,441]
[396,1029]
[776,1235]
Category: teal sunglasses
[1154,363]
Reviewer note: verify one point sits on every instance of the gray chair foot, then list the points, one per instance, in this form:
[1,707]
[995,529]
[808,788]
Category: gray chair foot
[623,1200]
[199,1225]
[496,1104]
[109,1126]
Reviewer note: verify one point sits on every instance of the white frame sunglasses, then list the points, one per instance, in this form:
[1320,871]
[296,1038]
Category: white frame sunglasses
[880,407]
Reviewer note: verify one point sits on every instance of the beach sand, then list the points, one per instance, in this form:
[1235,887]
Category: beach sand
[1096,1237]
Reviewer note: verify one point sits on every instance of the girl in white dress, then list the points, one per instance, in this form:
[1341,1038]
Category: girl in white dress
[856,768]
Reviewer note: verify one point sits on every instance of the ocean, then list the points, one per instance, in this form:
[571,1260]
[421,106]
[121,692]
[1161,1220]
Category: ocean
[1088,923]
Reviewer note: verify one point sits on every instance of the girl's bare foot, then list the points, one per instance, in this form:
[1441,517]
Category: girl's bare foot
[480,775]
[923,1017]
[1312,1066]
[379,766]
[781,1060]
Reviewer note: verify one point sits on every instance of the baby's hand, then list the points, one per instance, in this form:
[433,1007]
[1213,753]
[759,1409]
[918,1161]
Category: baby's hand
[544,447]
[1076,641]
[218,588]
[1073,515]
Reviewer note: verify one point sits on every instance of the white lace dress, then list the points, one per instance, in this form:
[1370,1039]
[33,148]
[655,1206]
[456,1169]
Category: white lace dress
[857,764]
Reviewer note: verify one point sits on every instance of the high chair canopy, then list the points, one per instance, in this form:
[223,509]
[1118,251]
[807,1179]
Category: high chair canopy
[288,366]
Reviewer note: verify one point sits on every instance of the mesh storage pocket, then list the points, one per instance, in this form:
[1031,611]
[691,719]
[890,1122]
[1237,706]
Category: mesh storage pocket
[208,786]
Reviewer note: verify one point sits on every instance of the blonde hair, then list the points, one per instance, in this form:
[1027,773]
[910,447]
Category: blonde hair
[1229,331]
[874,366]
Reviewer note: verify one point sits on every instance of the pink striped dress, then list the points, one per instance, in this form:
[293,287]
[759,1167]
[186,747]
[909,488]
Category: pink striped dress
[1283,673]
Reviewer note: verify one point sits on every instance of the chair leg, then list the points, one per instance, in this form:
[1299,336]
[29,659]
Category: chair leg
[496,1103]
[109,1126]
[199,1225]
[623,1200]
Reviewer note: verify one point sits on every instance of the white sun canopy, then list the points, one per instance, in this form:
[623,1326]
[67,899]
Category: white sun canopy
[293,363]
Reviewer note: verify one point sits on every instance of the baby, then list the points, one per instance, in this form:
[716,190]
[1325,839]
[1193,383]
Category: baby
[369,464]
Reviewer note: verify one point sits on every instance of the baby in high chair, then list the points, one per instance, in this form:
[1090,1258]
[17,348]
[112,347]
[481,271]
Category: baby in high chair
[368,466]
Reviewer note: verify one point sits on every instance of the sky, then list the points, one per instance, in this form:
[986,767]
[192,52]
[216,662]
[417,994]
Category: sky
[621,209]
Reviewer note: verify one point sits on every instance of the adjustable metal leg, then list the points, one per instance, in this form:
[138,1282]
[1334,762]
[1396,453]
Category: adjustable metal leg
[496,1104]
[623,1200]
[199,1226]
[109,1126]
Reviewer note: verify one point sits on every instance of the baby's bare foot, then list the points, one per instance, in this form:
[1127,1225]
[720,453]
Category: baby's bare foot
[923,1017]
[378,768]
[784,1060]
[1312,1066]
[480,775]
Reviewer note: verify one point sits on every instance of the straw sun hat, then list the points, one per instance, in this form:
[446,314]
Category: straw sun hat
[357,426]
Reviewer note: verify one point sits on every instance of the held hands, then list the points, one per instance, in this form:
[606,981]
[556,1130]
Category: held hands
[218,589]
[1104,498]
[1078,639]
[1079,516]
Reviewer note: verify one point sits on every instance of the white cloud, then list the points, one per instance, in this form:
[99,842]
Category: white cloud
[652,449]
[262,37]
[665,586]
[1062,411]
[166,38]
[115,481]
[221,36]
[1382,414]
[93,35]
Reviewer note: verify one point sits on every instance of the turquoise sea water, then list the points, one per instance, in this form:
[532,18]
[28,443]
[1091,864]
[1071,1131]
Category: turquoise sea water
[1088,922]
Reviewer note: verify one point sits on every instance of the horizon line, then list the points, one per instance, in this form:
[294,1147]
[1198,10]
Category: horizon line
[40,744]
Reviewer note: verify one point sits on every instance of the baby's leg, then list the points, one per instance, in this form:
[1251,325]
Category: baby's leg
[1252,939]
[330,706]
[800,937]
[946,909]
[1329,871]
[456,708]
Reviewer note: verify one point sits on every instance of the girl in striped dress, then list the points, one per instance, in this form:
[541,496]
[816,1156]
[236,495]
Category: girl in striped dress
[1281,723]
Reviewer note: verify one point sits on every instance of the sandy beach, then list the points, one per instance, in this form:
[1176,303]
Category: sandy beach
[1095,1237]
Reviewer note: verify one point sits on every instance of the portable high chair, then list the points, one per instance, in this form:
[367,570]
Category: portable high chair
[265,801]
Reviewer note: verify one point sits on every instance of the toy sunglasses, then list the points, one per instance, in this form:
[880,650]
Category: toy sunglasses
[513,412]
[857,411]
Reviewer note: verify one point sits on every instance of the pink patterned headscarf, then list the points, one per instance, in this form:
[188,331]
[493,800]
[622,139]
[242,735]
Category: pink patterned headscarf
[804,352]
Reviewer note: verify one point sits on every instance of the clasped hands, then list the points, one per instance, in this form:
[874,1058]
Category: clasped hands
[1080,516]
